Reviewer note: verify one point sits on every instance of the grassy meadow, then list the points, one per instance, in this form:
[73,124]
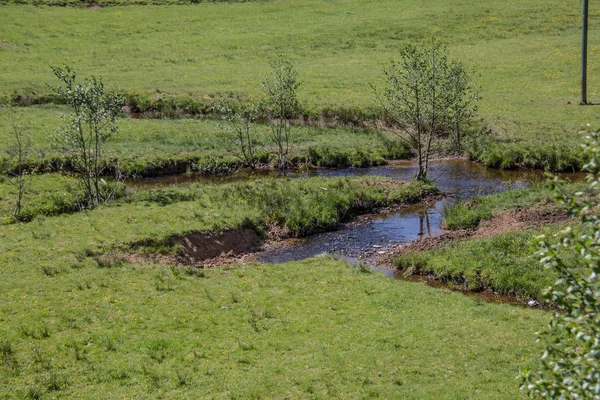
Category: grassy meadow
[526,53]
[312,329]
[151,147]
[91,306]
[78,320]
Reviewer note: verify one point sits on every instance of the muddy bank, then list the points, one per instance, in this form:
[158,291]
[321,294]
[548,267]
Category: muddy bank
[508,221]
[198,247]
[246,244]
[487,294]
[209,249]
[502,223]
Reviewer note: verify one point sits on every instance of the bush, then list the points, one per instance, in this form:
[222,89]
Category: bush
[85,132]
[569,365]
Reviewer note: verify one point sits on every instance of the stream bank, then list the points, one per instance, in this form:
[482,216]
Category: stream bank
[375,235]
[375,239]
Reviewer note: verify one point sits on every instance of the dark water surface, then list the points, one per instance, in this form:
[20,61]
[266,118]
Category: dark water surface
[373,235]
[198,177]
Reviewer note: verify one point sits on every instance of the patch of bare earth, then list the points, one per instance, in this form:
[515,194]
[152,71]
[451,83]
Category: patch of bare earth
[508,221]
[213,249]
[205,250]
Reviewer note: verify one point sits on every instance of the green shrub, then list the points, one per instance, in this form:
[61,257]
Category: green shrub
[464,216]
[569,366]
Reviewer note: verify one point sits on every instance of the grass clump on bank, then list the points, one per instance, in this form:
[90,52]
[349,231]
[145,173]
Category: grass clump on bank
[502,263]
[302,206]
[468,214]
[553,153]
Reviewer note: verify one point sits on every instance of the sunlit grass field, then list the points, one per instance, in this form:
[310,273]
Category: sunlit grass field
[527,53]
[313,329]
[79,319]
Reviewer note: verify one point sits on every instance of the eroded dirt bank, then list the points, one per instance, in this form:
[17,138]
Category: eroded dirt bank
[508,221]
[210,249]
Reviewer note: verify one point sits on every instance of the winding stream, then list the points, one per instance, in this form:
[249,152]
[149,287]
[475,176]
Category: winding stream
[374,234]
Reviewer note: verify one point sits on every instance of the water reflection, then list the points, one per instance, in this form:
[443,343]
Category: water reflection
[374,235]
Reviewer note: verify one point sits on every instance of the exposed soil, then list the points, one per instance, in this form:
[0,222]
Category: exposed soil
[202,246]
[212,249]
[94,6]
[504,222]
[242,245]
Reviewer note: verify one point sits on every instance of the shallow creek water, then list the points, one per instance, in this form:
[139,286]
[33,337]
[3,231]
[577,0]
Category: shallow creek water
[363,240]
[373,235]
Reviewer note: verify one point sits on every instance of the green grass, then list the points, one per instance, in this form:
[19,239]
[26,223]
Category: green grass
[503,263]
[526,52]
[78,320]
[149,147]
[468,214]
[317,328]
[312,329]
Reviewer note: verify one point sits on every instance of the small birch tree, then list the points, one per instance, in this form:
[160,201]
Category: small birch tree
[237,124]
[19,149]
[86,130]
[281,105]
[423,94]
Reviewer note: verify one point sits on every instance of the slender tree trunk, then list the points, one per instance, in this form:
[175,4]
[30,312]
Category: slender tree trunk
[427,152]
[20,179]
[17,210]
[458,146]
[85,162]
[419,155]
[96,138]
